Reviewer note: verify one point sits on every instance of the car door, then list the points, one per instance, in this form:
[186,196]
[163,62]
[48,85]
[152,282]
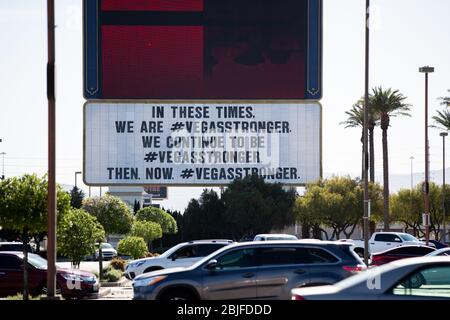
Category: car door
[183,257]
[383,242]
[234,277]
[11,274]
[281,269]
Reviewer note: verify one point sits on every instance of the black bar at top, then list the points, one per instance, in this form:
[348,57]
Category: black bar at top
[162,18]
[149,18]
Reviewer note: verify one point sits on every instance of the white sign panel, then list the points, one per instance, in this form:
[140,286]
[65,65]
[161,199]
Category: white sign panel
[205,144]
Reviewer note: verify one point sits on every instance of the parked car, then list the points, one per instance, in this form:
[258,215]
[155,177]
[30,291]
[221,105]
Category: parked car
[269,237]
[69,283]
[252,270]
[441,252]
[408,279]
[108,252]
[382,241]
[436,244]
[403,252]
[14,246]
[182,255]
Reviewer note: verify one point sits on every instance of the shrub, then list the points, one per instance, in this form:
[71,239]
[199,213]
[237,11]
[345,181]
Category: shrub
[112,275]
[118,264]
[19,296]
[152,254]
[133,246]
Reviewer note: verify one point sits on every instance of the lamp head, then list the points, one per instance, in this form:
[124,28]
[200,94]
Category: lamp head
[443,134]
[426,69]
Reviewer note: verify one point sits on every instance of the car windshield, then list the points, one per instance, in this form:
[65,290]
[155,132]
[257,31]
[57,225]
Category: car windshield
[37,261]
[106,246]
[408,237]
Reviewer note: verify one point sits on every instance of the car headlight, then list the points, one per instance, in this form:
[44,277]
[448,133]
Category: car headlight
[136,264]
[146,282]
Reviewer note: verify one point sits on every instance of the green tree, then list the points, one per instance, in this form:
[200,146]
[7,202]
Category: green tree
[76,198]
[159,216]
[445,101]
[77,234]
[253,206]
[408,206]
[355,119]
[205,218]
[112,213]
[23,209]
[387,104]
[132,246]
[147,230]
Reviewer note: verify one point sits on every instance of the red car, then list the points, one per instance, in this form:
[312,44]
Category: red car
[380,258]
[69,283]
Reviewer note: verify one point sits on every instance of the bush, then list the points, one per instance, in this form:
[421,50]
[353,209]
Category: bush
[118,264]
[132,246]
[19,296]
[152,254]
[112,275]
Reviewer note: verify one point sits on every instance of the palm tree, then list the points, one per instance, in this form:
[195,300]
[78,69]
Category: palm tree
[387,104]
[356,119]
[442,120]
[445,101]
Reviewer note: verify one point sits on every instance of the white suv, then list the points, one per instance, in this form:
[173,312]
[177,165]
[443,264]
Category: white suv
[182,255]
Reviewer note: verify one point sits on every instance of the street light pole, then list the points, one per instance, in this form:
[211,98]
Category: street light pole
[51,243]
[412,176]
[365,140]
[443,135]
[76,173]
[3,165]
[427,70]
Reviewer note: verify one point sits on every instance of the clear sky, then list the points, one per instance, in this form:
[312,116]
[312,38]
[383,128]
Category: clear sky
[405,35]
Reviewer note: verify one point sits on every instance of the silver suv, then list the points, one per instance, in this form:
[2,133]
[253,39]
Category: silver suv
[253,270]
[182,255]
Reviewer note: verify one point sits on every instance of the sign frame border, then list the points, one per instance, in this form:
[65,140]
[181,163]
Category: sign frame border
[318,103]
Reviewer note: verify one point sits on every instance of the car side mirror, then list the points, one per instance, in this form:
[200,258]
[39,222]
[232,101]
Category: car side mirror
[174,257]
[211,265]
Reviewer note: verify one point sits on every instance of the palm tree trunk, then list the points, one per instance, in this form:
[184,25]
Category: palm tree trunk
[372,155]
[385,181]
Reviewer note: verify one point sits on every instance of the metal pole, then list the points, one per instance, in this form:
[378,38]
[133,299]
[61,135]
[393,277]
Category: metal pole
[89,191]
[427,186]
[51,243]
[365,140]
[412,176]
[3,165]
[444,231]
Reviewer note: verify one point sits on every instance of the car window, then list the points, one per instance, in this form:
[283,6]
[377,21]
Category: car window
[206,249]
[430,282]
[9,262]
[387,238]
[445,253]
[419,251]
[316,255]
[13,247]
[186,252]
[277,256]
[37,261]
[408,237]
[242,258]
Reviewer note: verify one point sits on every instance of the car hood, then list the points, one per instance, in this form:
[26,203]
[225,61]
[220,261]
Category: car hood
[313,291]
[162,272]
[74,271]
[108,250]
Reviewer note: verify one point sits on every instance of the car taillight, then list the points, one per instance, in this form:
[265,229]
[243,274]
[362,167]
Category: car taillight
[354,269]
[297,297]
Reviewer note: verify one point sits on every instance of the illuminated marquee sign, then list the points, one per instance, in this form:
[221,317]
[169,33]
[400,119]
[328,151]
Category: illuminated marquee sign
[203,49]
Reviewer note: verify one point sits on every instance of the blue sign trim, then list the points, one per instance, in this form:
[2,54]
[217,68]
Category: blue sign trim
[314,48]
[92,77]
[91,50]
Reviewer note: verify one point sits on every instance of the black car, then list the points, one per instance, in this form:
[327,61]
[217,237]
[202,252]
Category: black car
[14,246]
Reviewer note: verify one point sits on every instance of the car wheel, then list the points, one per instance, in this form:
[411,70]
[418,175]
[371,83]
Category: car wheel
[178,295]
[415,281]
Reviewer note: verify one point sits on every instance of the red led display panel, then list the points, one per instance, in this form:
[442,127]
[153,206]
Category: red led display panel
[155,5]
[211,49]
